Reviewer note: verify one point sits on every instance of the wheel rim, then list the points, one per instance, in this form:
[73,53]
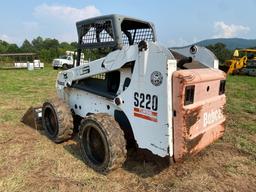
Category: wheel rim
[93,144]
[51,122]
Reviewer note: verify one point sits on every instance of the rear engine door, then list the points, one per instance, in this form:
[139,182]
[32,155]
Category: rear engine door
[198,104]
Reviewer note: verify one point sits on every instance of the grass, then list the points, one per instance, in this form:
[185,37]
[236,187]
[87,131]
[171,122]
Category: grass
[241,109]
[30,162]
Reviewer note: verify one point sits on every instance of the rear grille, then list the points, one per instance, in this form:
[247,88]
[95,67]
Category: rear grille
[222,87]
[56,62]
[189,94]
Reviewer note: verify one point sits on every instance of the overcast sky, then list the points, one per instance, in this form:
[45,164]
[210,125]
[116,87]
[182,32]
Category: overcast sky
[178,22]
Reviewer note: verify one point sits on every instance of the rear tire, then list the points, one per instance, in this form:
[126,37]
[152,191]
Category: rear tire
[57,120]
[102,142]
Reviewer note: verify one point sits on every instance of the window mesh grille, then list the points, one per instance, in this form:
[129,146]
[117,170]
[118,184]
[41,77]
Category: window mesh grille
[99,32]
[138,35]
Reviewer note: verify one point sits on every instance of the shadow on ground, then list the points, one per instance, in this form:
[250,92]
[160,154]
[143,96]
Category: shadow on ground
[139,161]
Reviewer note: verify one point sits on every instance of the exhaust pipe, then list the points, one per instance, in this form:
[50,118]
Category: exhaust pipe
[183,61]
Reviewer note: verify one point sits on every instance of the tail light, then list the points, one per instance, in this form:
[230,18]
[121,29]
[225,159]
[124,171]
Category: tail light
[189,94]
[222,87]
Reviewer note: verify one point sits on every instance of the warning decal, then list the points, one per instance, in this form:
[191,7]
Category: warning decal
[145,114]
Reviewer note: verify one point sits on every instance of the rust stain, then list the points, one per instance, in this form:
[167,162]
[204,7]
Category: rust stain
[191,117]
[192,143]
[224,110]
[223,131]
[189,147]
[185,78]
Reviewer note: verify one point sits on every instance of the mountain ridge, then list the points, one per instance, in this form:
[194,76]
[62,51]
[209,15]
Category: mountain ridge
[231,43]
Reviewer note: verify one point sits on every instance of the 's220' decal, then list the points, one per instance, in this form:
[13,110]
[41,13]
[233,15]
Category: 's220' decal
[146,101]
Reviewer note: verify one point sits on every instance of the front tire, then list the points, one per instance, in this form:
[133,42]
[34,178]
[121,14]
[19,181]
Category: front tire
[65,66]
[57,120]
[102,142]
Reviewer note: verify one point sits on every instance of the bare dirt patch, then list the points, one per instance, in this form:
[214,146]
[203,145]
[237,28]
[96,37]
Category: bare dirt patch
[31,162]
[221,167]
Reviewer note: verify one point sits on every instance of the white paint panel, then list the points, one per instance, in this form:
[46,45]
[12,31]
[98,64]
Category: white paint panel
[172,67]
[154,136]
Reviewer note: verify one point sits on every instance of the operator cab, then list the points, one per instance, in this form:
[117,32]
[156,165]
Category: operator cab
[99,36]
[111,32]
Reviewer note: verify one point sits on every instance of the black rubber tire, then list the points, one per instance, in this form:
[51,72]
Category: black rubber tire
[101,131]
[65,66]
[57,120]
[55,68]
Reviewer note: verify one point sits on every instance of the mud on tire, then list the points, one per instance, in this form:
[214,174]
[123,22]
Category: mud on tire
[57,120]
[102,142]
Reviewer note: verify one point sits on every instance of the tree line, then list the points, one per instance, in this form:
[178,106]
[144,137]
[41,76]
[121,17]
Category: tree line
[221,52]
[47,49]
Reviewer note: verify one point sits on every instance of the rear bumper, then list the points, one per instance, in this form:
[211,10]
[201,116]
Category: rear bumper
[201,125]
[194,145]
[57,65]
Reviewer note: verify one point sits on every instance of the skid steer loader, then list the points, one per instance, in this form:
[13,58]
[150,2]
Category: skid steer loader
[169,101]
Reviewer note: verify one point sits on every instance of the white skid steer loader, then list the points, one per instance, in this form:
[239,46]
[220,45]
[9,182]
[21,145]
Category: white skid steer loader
[169,101]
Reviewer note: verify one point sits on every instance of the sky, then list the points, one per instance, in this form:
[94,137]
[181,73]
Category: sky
[177,22]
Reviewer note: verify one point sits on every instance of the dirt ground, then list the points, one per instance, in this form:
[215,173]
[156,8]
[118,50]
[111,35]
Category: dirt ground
[37,164]
[29,161]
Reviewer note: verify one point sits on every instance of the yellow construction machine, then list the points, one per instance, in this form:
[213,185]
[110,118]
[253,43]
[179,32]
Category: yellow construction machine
[243,62]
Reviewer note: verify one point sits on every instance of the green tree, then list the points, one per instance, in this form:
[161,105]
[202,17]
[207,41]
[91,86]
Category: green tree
[3,46]
[47,48]
[74,44]
[45,55]
[12,48]
[27,46]
[51,45]
[38,43]
[219,49]
[67,46]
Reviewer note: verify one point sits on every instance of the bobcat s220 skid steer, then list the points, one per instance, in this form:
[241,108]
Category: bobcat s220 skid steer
[169,101]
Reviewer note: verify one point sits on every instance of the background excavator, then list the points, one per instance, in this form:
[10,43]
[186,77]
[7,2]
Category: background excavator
[243,62]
